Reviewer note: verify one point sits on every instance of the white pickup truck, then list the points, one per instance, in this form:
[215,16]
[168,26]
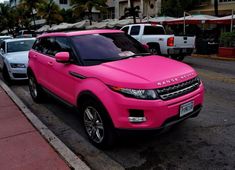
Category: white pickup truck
[176,47]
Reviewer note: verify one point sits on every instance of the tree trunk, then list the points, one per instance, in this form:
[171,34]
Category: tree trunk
[90,16]
[216,7]
[133,11]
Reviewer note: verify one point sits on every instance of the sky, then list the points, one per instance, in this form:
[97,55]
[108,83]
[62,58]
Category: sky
[2,1]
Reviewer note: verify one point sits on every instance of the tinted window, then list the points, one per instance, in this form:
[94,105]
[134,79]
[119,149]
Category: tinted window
[125,29]
[17,46]
[45,45]
[152,30]
[106,47]
[135,30]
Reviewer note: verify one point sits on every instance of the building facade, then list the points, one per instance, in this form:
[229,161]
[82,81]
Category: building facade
[63,4]
[225,7]
[147,7]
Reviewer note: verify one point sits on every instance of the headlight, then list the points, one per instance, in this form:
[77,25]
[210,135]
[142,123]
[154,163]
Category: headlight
[14,65]
[137,93]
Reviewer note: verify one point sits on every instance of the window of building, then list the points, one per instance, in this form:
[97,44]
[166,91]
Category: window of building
[226,0]
[65,2]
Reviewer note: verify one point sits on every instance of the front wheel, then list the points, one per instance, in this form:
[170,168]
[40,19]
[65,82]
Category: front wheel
[5,74]
[35,90]
[97,125]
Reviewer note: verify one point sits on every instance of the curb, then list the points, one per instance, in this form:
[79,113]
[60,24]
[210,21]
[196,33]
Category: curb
[73,161]
[215,57]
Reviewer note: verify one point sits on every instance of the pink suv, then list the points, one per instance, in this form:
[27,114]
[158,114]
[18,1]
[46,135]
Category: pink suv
[114,81]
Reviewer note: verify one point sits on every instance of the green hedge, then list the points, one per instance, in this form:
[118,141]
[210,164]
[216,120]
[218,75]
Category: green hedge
[227,39]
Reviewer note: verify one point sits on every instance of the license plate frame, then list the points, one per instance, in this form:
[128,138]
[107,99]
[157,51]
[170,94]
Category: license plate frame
[186,108]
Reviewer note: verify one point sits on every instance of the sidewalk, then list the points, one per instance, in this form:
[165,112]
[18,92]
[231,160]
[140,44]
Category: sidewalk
[21,145]
[213,56]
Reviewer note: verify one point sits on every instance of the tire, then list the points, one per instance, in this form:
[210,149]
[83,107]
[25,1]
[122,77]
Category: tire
[178,58]
[35,90]
[154,49]
[97,125]
[5,74]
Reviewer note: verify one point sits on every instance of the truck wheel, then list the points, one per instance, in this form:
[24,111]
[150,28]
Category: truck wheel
[35,90]
[5,74]
[179,58]
[154,49]
[97,126]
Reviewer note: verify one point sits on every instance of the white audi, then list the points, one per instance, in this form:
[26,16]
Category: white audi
[14,58]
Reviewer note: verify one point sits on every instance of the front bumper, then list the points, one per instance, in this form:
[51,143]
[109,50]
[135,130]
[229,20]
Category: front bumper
[18,73]
[158,113]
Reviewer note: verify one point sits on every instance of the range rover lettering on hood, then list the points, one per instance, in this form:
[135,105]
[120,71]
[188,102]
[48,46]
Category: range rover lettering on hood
[176,79]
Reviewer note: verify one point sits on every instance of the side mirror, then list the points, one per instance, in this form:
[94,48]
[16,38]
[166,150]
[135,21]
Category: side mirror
[62,57]
[146,46]
[2,51]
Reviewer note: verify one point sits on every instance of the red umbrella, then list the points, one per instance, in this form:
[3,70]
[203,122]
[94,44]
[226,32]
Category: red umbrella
[223,20]
[192,19]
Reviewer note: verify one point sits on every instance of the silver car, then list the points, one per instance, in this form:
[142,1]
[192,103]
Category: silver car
[14,58]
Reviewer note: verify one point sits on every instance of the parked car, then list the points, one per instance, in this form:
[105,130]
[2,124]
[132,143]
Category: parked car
[113,81]
[176,47]
[2,38]
[14,58]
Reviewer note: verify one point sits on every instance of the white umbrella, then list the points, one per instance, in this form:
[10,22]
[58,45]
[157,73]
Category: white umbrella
[43,28]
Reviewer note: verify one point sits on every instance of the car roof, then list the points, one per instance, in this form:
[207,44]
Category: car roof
[18,39]
[76,33]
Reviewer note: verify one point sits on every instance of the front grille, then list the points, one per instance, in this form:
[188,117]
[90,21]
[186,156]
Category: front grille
[19,75]
[180,89]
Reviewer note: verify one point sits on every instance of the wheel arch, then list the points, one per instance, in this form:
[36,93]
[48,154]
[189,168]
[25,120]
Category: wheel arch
[86,95]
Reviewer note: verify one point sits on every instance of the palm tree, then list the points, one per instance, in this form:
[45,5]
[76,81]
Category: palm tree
[7,17]
[32,6]
[50,11]
[83,6]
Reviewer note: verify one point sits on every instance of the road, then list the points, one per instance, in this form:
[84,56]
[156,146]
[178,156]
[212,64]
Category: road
[205,142]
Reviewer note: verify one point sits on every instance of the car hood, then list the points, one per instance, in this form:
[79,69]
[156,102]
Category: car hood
[143,72]
[17,57]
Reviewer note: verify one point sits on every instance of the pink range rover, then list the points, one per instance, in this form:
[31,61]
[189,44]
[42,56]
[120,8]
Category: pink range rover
[114,81]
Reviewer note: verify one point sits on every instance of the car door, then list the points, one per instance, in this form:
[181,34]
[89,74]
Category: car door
[61,83]
[40,60]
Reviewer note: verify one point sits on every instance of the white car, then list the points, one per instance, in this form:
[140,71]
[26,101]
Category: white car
[14,58]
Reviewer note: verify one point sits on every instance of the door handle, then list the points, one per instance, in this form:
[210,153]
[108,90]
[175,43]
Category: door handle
[50,63]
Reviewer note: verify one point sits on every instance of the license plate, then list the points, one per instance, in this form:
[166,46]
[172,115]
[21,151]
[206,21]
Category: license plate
[184,50]
[186,108]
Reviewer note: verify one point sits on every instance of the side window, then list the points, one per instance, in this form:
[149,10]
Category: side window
[135,30]
[125,29]
[152,30]
[62,45]
[50,46]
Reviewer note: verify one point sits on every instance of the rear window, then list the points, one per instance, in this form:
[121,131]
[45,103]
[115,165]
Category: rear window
[153,30]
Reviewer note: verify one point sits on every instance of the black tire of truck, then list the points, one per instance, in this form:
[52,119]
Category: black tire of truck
[154,49]
[177,57]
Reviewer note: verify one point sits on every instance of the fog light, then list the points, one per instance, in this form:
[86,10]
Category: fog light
[136,116]
[137,119]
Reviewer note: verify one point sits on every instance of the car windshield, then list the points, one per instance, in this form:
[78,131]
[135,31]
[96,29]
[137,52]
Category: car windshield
[99,48]
[17,46]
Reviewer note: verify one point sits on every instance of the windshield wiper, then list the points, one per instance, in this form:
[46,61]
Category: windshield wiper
[136,55]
